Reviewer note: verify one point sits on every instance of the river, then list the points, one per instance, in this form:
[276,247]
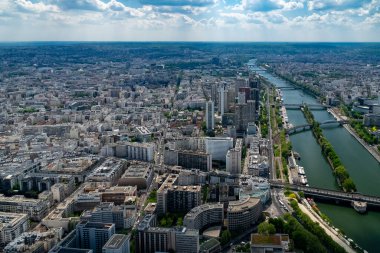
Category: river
[364,229]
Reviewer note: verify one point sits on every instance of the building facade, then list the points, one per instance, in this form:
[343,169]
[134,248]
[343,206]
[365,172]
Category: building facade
[12,225]
[210,115]
[35,208]
[204,216]
[243,213]
[94,235]
[118,243]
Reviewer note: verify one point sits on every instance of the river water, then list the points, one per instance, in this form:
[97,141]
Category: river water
[364,229]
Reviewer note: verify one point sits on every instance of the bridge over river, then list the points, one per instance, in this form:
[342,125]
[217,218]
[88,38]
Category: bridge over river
[305,127]
[337,197]
[288,88]
[310,106]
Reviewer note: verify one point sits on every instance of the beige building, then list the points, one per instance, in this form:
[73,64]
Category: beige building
[138,174]
[12,225]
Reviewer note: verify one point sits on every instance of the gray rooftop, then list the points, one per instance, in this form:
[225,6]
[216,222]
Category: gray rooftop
[116,241]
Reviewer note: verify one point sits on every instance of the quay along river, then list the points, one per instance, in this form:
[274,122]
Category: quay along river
[363,168]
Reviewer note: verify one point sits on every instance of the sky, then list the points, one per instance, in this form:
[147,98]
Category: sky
[190,20]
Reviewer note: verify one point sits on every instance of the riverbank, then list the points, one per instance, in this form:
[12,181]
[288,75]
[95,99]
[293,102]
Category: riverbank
[338,238]
[370,149]
[341,174]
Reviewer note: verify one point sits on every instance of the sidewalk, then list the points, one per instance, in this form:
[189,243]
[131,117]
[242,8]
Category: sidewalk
[364,144]
[331,232]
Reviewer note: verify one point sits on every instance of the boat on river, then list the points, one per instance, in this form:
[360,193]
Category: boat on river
[359,206]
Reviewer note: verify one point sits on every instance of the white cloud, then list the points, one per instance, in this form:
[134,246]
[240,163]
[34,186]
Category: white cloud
[269,5]
[26,5]
[336,4]
[175,17]
[373,20]
[179,2]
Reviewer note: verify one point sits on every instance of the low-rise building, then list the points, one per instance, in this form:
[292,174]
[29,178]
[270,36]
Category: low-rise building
[269,243]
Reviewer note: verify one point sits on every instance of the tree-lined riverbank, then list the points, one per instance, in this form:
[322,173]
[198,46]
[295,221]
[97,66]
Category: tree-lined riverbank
[342,176]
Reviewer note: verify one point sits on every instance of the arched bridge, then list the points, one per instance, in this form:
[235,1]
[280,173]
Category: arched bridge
[330,195]
[310,106]
[305,127]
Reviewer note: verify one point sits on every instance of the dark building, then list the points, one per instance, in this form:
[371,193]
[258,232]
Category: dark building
[183,198]
[194,160]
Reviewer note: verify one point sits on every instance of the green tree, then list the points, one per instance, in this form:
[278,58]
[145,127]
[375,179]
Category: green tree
[266,228]
[349,185]
[152,198]
[203,126]
[16,187]
[341,173]
[278,223]
[163,222]
[180,221]
[225,237]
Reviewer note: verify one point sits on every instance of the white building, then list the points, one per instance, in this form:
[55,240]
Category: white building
[218,147]
[140,151]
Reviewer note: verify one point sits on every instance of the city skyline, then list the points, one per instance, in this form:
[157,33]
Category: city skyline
[190,20]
